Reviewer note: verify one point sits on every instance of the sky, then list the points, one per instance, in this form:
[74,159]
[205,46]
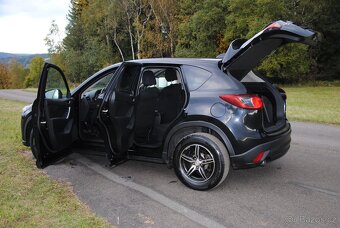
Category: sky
[25,23]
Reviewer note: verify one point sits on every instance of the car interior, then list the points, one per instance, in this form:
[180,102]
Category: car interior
[88,106]
[159,99]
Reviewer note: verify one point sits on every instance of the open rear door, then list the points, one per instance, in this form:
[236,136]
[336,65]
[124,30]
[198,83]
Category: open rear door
[116,113]
[53,117]
[243,55]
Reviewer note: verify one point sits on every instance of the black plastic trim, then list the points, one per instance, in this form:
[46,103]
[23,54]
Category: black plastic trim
[168,152]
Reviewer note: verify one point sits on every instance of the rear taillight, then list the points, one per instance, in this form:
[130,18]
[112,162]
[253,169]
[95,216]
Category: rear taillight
[247,101]
[274,25]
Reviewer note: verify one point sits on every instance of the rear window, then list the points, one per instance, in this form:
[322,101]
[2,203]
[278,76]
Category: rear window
[195,77]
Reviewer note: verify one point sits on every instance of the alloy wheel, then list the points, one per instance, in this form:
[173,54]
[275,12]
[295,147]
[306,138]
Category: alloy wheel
[197,163]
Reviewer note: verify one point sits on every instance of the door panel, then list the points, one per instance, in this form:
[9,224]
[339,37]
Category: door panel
[121,112]
[59,122]
[117,110]
[53,116]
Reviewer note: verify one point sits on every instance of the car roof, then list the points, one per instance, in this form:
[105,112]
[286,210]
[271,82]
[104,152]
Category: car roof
[202,62]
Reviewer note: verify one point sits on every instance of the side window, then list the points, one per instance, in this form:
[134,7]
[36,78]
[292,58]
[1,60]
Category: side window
[101,83]
[56,87]
[161,81]
[128,80]
[195,77]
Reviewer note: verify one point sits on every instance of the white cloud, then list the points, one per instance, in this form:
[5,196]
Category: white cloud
[25,23]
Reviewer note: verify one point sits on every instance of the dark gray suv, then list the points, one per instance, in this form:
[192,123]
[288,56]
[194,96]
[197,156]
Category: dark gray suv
[199,116]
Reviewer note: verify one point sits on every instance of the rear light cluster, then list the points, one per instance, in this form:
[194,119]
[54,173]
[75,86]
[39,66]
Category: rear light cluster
[258,157]
[246,101]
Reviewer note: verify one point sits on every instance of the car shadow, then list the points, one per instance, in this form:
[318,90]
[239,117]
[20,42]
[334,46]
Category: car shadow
[153,174]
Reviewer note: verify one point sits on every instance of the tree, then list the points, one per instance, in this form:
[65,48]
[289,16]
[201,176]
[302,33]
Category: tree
[5,77]
[102,32]
[75,43]
[138,14]
[201,33]
[53,39]
[18,73]
[324,17]
[74,30]
[166,25]
[55,46]
[113,26]
[36,67]
[247,17]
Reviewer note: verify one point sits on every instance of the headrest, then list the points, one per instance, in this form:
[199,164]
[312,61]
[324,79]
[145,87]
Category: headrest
[148,78]
[170,74]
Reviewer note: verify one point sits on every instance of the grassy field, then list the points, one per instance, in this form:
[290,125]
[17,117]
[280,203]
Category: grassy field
[28,197]
[314,104]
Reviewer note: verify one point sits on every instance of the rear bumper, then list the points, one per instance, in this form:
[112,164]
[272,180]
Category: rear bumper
[273,149]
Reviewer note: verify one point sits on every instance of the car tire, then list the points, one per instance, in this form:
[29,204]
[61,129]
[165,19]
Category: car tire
[33,144]
[201,161]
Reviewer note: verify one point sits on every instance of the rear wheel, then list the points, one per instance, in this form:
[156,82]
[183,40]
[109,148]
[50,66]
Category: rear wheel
[201,161]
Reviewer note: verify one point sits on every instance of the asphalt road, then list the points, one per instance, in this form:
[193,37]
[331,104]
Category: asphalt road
[302,189]
[18,95]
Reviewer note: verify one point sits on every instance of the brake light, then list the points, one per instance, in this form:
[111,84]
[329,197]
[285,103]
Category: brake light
[247,101]
[274,25]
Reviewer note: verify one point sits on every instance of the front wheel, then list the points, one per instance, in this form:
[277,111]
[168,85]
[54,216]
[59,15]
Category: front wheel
[36,147]
[33,144]
[201,161]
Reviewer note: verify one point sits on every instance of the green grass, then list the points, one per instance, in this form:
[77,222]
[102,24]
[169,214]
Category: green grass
[28,197]
[334,83]
[314,104]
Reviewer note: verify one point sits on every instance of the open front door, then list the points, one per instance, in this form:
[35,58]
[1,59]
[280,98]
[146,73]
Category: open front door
[243,55]
[53,117]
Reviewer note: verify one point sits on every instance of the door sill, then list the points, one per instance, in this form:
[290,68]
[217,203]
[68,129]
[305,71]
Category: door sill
[145,159]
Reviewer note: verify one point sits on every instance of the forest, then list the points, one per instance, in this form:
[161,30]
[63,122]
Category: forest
[102,32]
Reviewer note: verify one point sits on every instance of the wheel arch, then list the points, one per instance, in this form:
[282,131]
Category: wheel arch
[177,133]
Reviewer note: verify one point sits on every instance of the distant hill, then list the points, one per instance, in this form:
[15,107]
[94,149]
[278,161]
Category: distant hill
[24,59]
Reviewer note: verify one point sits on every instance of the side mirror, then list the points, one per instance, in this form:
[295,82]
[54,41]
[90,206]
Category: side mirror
[54,94]
[57,94]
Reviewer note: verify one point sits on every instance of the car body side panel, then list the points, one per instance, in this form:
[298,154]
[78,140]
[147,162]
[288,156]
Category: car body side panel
[238,128]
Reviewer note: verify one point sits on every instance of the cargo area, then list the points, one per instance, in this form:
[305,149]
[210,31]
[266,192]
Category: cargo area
[274,104]
[243,56]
